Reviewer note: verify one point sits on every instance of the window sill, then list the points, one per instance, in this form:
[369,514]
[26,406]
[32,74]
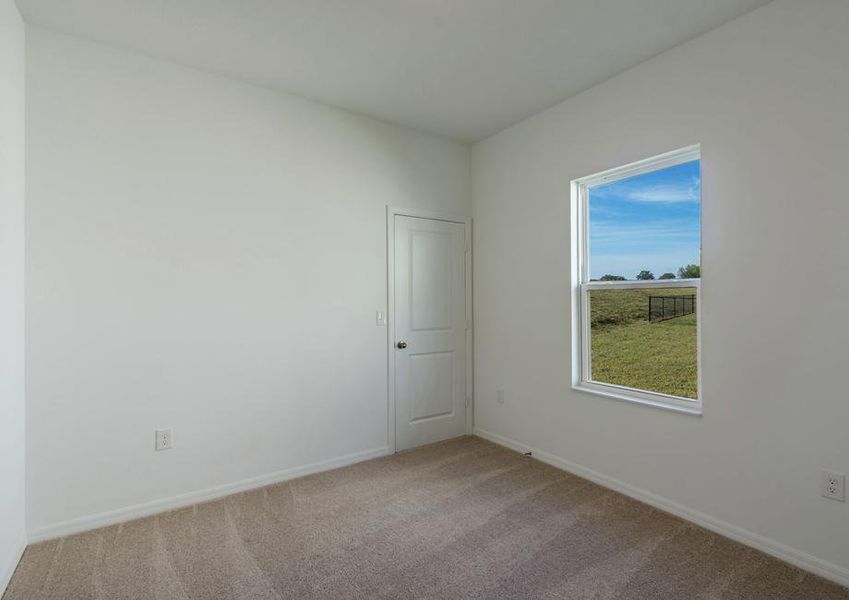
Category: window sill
[623,395]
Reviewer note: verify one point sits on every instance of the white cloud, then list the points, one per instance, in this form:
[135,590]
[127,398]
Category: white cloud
[675,192]
[604,234]
[672,193]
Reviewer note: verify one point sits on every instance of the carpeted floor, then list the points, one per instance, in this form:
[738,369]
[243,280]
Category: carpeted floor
[459,519]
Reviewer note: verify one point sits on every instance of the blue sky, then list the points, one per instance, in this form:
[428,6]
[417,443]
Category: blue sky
[650,221]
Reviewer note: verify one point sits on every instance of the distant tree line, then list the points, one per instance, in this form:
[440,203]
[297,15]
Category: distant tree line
[686,272]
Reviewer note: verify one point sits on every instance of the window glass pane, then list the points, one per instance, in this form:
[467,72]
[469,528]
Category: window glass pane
[647,226]
[645,339]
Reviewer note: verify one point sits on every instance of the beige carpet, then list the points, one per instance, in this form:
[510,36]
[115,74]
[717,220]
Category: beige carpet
[459,519]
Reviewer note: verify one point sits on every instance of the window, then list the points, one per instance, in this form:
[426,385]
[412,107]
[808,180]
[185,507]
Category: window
[637,280]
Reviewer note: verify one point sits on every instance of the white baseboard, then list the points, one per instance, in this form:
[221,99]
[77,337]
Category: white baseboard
[803,560]
[8,570]
[146,509]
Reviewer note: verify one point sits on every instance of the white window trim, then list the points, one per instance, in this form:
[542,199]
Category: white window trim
[581,285]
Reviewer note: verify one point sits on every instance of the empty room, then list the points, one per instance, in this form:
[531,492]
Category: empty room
[424,299]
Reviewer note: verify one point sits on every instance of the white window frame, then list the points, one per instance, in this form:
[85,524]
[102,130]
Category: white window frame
[581,285]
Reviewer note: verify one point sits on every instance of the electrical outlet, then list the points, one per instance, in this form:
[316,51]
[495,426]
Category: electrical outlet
[833,485]
[499,396]
[164,439]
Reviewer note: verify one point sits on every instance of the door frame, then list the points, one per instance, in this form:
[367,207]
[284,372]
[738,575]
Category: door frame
[391,213]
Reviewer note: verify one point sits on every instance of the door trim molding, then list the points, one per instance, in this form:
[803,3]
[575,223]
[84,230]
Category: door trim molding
[391,213]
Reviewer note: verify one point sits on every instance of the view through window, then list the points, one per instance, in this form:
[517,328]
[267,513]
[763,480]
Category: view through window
[640,276]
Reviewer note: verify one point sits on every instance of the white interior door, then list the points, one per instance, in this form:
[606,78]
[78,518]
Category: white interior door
[430,330]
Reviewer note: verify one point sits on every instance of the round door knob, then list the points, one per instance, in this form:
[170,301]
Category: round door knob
[402,345]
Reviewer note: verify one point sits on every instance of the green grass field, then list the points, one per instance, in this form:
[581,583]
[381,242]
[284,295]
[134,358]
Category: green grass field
[630,351]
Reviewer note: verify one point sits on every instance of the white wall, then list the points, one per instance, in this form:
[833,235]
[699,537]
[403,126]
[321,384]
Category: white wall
[767,97]
[208,256]
[12,410]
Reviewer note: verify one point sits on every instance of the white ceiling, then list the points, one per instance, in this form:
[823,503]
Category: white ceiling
[462,68]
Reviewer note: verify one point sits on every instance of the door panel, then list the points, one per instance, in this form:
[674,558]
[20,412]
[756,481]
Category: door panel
[431,385]
[430,307]
[430,289]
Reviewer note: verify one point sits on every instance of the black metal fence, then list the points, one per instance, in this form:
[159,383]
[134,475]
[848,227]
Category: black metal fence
[662,308]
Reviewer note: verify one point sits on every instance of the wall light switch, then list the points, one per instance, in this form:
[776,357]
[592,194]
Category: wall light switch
[380,318]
